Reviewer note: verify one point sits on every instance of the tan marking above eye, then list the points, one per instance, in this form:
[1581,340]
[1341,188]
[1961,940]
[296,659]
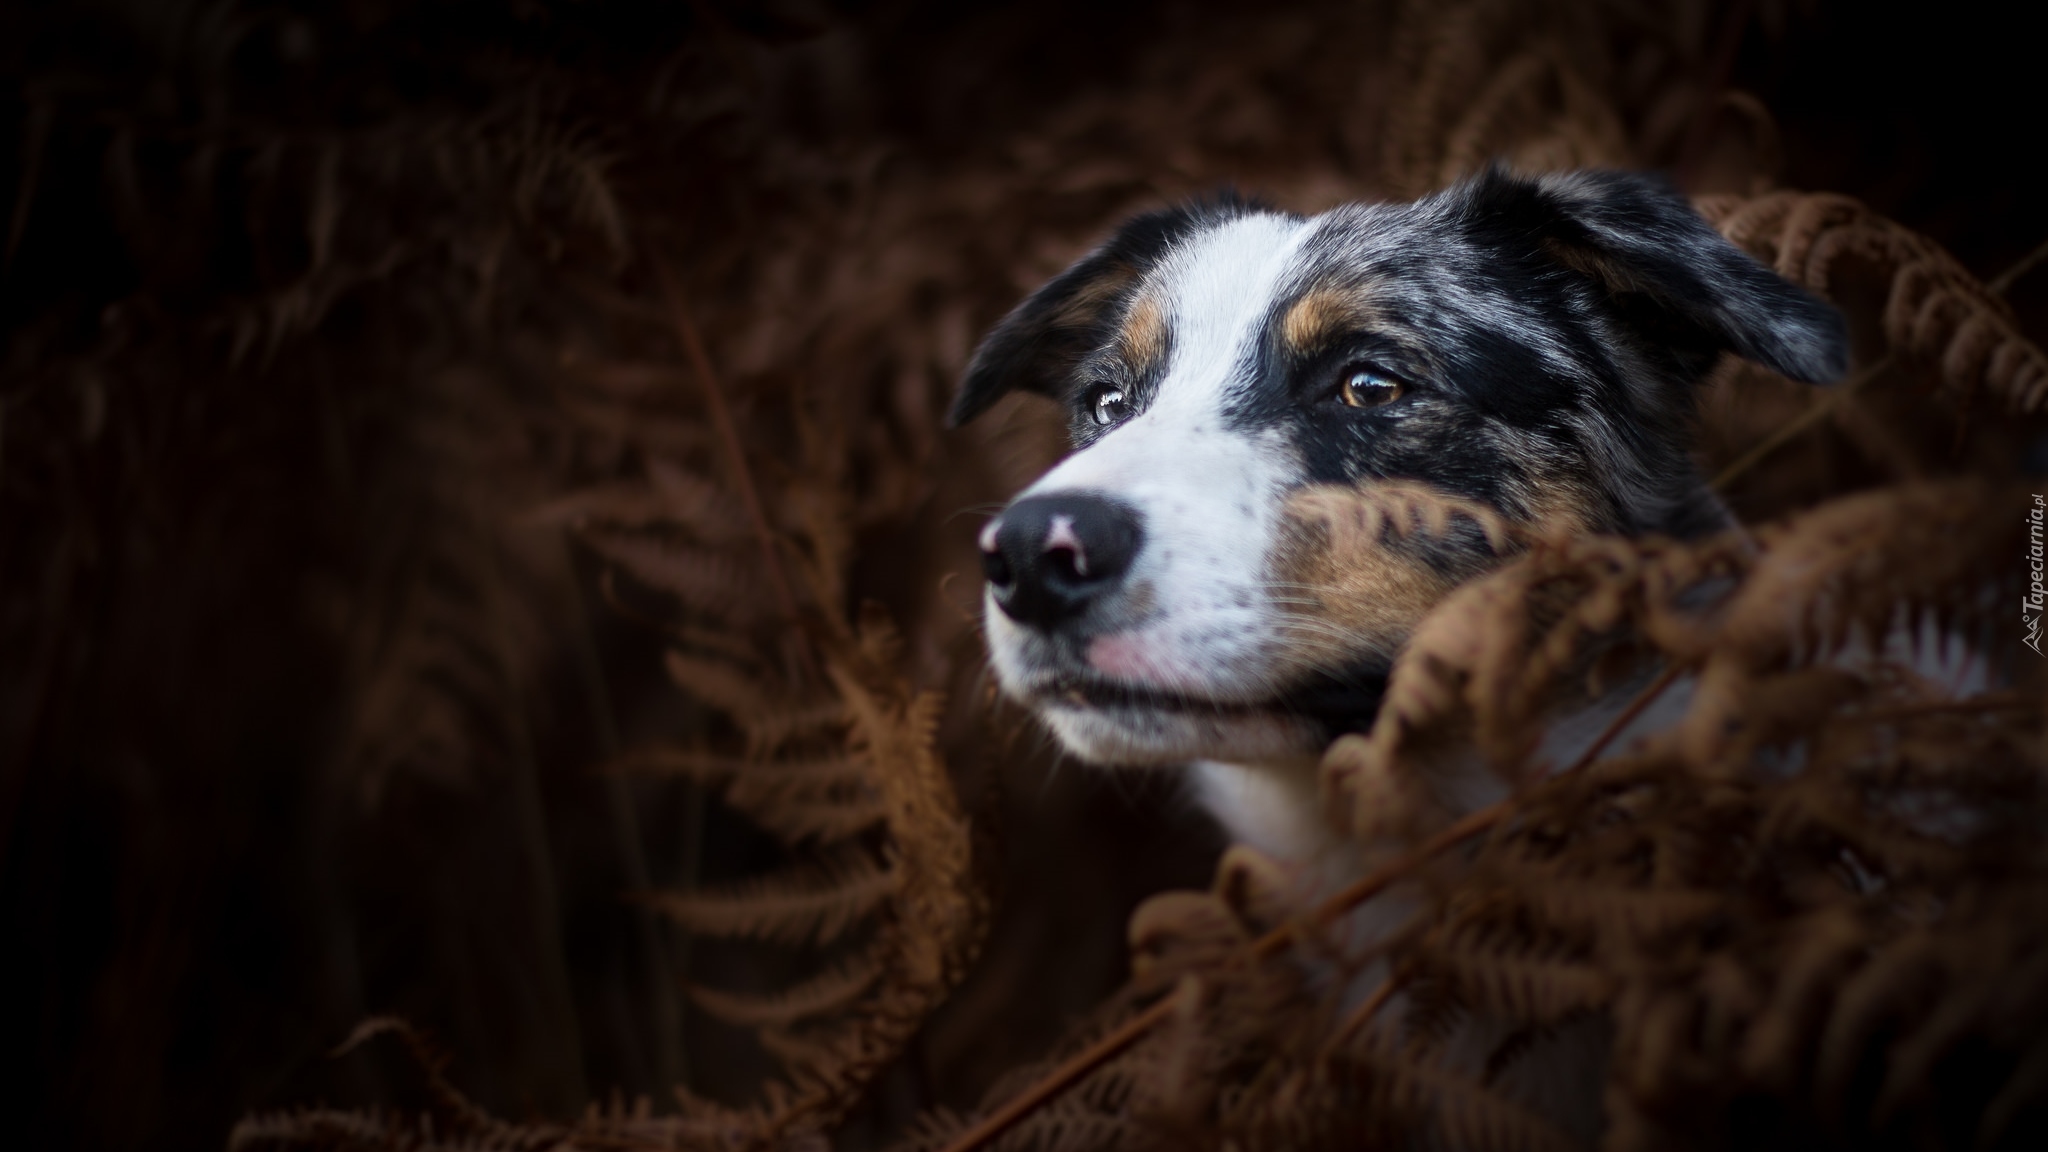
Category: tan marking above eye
[1142,336]
[1324,313]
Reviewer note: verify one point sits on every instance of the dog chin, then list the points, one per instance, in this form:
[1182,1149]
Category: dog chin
[1138,736]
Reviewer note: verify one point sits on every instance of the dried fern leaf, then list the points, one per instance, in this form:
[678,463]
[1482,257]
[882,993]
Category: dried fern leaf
[1359,517]
[828,798]
[1068,1125]
[824,993]
[1517,982]
[704,580]
[757,707]
[1935,311]
[799,906]
[1459,1108]
[720,685]
[671,499]
[821,773]
[1616,911]
[827,821]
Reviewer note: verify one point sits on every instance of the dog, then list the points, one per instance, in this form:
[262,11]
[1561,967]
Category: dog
[1529,345]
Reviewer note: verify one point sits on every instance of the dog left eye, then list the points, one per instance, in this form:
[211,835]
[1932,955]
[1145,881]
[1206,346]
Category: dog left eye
[1362,387]
[1107,404]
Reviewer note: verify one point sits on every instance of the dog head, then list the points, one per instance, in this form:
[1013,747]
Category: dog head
[1526,345]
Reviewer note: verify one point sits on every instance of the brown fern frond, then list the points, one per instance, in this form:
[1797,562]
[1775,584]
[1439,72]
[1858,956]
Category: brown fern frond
[1452,1103]
[756,707]
[1357,518]
[1479,79]
[638,424]
[1513,979]
[1539,112]
[1493,657]
[1935,312]
[1553,87]
[798,907]
[703,580]
[723,687]
[827,992]
[1070,1125]
[712,768]
[827,820]
[1616,911]
[674,500]
[828,799]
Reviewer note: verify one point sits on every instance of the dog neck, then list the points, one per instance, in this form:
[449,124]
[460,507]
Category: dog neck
[1274,807]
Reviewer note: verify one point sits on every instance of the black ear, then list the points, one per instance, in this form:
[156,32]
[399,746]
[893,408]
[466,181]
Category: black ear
[1040,341]
[1637,236]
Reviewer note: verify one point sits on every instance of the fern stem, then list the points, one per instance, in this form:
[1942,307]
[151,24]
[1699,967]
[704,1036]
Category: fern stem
[728,434]
[1364,1013]
[2025,264]
[1814,414]
[1066,1075]
[1643,699]
[1393,872]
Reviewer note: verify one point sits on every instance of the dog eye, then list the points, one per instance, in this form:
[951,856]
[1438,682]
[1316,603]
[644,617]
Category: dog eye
[1107,404]
[1368,388]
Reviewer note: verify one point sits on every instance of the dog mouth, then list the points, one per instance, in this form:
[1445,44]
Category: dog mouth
[1340,701]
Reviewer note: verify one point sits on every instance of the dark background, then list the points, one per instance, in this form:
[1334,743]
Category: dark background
[293,732]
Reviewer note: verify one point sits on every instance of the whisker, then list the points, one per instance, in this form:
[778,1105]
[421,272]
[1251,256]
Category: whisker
[972,509]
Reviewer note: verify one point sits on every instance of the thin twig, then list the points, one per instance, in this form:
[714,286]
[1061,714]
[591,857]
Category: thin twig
[1650,692]
[1364,1013]
[1064,1076]
[2000,283]
[1383,878]
[1814,414]
[728,433]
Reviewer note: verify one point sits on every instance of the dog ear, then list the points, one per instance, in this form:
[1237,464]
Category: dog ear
[1638,237]
[1039,342]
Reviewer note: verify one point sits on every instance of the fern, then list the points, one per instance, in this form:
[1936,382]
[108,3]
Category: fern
[792,908]
[821,995]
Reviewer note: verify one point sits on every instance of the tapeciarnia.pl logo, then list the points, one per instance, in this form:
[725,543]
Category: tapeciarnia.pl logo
[2030,610]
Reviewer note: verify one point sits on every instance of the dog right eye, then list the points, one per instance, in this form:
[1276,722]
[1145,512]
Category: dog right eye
[1107,404]
[1363,386]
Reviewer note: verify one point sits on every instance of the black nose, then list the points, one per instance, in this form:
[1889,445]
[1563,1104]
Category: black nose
[1047,557]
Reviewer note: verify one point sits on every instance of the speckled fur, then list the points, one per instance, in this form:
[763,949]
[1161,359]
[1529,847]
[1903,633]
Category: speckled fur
[1548,333]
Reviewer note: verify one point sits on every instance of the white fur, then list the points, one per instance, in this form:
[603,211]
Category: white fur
[1210,498]
[1276,808]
